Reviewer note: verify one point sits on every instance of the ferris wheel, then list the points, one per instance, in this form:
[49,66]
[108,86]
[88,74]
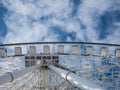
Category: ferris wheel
[60,66]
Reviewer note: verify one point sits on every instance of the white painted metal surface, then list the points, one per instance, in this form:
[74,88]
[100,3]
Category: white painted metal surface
[81,82]
[88,65]
[104,51]
[117,53]
[45,77]
[75,50]
[11,76]
[89,50]
[46,49]
[32,50]
[18,51]
[60,49]
[3,52]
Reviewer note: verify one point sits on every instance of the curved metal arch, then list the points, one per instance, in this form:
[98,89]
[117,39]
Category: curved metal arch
[86,43]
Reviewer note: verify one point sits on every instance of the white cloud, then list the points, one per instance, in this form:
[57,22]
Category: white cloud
[24,23]
[23,19]
[92,9]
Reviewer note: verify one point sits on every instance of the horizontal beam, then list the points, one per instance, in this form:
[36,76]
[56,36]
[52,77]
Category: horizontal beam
[86,43]
[11,76]
[79,81]
[95,55]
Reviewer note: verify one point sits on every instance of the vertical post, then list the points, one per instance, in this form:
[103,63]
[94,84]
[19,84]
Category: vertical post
[55,81]
[48,79]
[45,80]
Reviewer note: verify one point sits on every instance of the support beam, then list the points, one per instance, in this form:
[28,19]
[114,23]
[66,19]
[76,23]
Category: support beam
[11,76]
[79,81]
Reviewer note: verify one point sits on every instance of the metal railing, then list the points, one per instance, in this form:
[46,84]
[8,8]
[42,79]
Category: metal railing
[11,76]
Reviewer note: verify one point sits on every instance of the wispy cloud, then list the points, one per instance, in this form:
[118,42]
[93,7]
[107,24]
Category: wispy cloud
[61,20]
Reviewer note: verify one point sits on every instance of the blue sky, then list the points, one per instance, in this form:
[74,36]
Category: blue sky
[3,28]
[60,20]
